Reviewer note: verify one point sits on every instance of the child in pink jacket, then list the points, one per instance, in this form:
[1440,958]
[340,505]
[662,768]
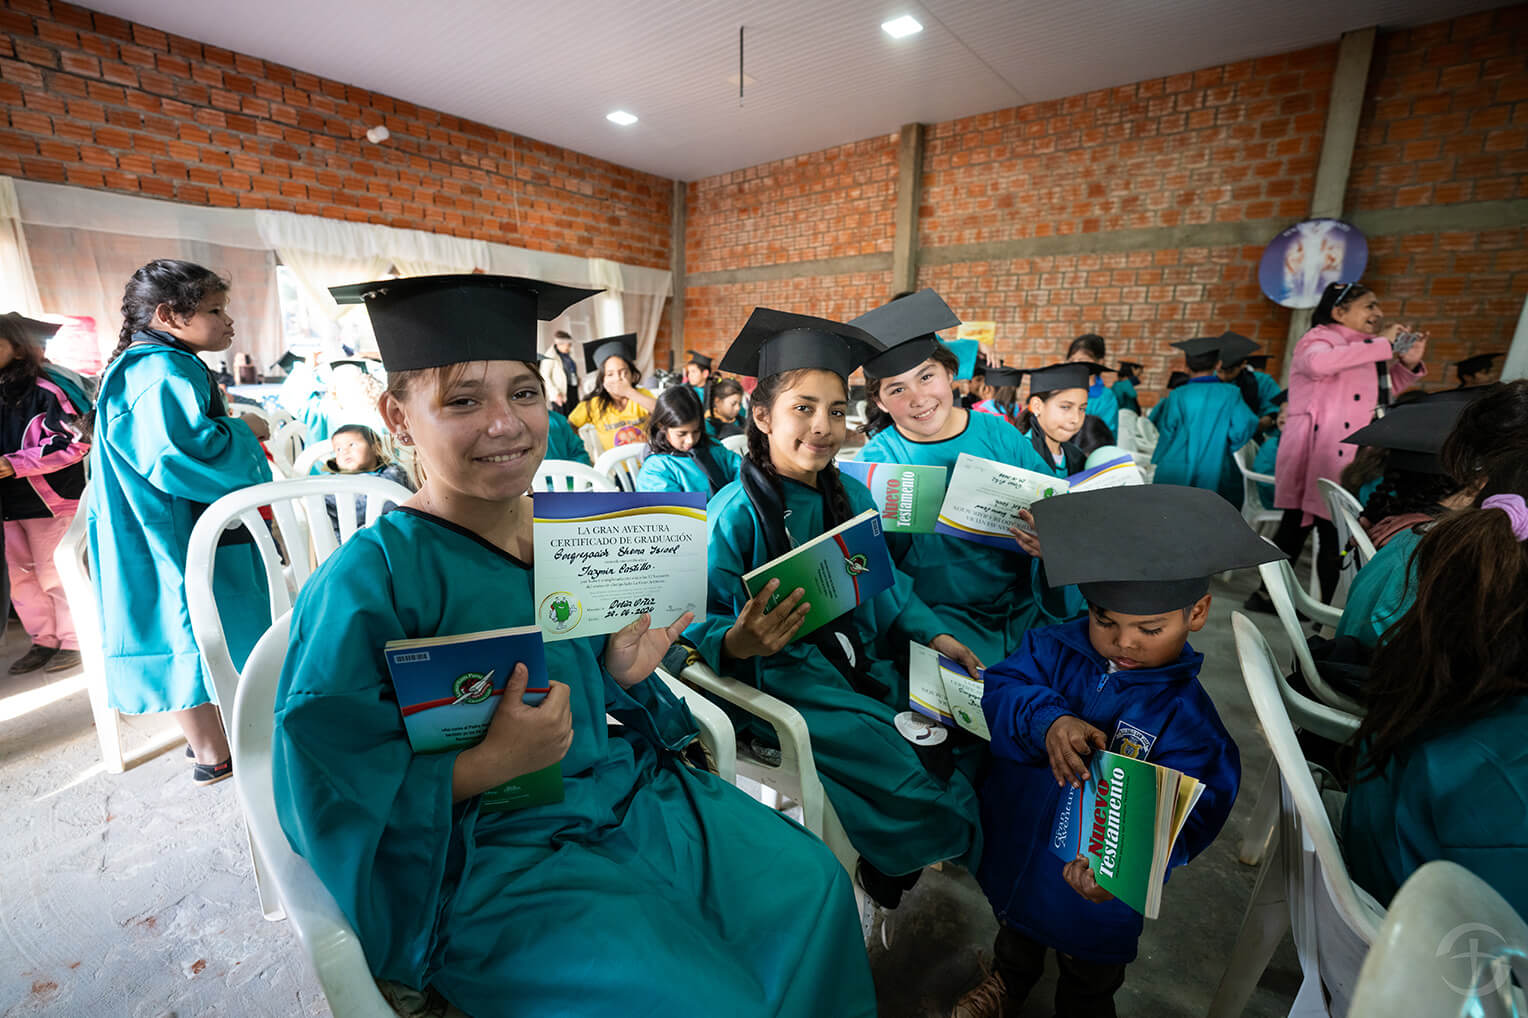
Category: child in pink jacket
[1334,389]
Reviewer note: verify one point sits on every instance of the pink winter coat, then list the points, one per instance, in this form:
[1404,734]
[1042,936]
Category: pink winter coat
[1333,390]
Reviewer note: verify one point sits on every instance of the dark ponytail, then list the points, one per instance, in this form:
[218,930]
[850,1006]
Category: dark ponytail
[828,482]
[1462,648]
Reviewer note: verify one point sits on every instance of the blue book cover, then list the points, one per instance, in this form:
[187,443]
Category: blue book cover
[448,688]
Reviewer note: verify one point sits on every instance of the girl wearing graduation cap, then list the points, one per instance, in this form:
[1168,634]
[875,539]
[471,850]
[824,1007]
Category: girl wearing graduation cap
[987,597]
[681,456]
[650,881]
[1054,412]
[617,407]
[900,810]
[42,475]
[164,449]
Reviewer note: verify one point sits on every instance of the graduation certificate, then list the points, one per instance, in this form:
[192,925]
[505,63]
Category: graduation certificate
[605,558]
[984,499]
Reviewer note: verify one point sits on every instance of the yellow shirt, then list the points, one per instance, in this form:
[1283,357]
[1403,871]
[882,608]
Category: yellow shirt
[615,427]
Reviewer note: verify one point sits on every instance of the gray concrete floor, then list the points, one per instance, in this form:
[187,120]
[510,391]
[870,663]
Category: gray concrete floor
[132,894]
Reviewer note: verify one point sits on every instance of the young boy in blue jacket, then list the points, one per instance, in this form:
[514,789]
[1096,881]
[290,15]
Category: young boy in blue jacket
[1123,679]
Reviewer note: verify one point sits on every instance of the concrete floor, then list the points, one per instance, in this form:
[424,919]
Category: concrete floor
[131,895]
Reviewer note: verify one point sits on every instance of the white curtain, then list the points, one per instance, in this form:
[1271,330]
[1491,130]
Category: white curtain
[18,287]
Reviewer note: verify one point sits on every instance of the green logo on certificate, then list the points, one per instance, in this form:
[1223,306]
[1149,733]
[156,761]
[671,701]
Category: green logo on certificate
[856,565]
[560,612]
[473,687]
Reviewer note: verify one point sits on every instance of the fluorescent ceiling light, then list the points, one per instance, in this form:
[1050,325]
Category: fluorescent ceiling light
[899,28]
[621,117]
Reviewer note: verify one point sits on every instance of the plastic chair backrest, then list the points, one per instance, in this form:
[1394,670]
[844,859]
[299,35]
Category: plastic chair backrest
[311,455]
[286,445]
[1449,946]
[1126,436]
[1334,920]
[568,475]
[1287,596]
[1345,510]
[737,443]
[322,929]
[1145,435]
[1251,497]
[309,537]
[622,463]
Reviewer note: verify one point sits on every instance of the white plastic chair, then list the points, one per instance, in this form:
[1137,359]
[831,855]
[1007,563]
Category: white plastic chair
[1125,438]
[737,443]
[1346,509]
[569,475]
[1145,437]
[72,560]
[1304,887]
[286,445]
[1449,946]
[1257,515]
[622,463]
[322,929]
[311,455]
[1287,597]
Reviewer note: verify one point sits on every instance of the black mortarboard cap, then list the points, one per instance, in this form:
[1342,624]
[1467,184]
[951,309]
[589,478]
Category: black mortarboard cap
[601,350]
[1258,361]
[430,321]
[700,360]
[1476,364]
[36,332]
[1165,542]
[774,341]
[1131,366]
[1413,433]
[1198,345]
[358,362]
[1000,377]
[906,327]
[288,361]
[1055,377]
[1236,348]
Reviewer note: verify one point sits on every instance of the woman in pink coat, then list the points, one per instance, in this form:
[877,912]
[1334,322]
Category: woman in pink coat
[1335,380]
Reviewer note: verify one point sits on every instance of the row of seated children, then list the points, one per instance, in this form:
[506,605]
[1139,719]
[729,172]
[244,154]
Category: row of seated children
[638,866]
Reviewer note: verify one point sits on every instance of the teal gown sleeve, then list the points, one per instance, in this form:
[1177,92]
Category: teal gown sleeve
[1103,405]
[1382,591]
[562,442]
[183,452]
[666,473]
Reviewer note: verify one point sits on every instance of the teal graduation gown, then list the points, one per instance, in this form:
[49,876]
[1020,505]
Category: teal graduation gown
[1382,591]
[562,441]
[1267,389]
[663,472]
[1103,405]
[651,889]
[1200,425]
[164,450]
[1125,395]
[1460,793]
[1073,459]
[898,816]
[987,598]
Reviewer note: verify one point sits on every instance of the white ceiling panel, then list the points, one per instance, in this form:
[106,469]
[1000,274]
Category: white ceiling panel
[824,71]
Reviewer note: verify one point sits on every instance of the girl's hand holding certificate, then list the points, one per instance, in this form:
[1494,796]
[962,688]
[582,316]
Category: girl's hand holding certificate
[633,651]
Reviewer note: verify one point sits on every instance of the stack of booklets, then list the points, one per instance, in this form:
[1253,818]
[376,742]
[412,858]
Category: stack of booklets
[448,688]
[1125,821]
[839,570]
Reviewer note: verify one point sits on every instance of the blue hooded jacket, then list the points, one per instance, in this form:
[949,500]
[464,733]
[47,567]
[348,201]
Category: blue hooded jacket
[1056,672]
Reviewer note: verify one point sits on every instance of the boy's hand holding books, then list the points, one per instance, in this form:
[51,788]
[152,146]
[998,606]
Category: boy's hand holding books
[634,650]
[1079,875]
[1067,741]
[958,652]
[761,631]
[521,739]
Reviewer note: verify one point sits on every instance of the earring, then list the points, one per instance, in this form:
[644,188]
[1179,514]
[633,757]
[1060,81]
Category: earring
[403,438]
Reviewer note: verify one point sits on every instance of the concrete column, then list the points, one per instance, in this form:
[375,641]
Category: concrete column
[904,250]
[676,269]
[1350,80]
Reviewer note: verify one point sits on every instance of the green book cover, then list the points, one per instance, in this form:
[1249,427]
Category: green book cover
[839,570]
[909,495]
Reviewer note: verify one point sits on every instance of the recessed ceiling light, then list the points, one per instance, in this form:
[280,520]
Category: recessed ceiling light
[902,27]
[621,117]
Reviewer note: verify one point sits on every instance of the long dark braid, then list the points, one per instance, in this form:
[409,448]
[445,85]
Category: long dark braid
[828,481]
[1408,491]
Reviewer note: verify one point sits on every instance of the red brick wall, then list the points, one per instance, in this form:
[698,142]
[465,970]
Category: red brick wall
[1447,122]
[99,102]
[715,314]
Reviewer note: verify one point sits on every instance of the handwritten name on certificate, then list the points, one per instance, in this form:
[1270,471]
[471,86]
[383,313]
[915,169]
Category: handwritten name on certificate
[605,558]
[984,499]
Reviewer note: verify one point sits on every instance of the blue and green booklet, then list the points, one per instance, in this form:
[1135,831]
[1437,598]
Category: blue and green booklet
[839,570]
[448,688]
[908,494]
[1125,820]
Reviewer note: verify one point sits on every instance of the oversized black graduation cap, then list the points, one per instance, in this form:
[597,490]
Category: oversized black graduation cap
[1198,345]
[1165,542]
[1413,432]
[1476,364]
[1131,366]
[774,341]
[36,332]
[1236,348]
[601,350]
[999,377]
[288,361]
[700,360]
[906,327]
[1055,377]
[430,321]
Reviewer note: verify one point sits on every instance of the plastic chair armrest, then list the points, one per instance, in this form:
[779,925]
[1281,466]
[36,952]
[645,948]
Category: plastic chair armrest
[716,732]
[788,724]
[1256,477]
